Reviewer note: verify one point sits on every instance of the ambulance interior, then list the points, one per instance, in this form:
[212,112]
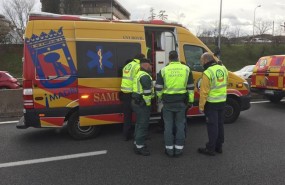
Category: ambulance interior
[160,42]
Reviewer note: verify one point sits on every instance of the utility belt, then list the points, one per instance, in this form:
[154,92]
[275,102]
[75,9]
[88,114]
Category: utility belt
[175,98]
[138,100]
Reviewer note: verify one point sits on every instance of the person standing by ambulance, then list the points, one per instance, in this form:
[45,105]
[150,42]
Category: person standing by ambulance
[213,96]
[174,86]
[141,104]
[129,72]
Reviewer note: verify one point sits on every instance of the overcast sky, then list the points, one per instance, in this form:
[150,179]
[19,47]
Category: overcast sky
[236,13]
[205,13]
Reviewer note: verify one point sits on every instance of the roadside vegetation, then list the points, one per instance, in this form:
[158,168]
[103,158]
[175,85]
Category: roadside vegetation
[234,57]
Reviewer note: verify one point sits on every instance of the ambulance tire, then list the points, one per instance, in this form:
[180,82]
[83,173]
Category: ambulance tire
[232,110]
[78,132]
[275,99]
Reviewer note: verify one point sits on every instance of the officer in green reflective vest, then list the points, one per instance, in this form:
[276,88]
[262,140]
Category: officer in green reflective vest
[129,72]
[213,96]
[141,104]
[174,85]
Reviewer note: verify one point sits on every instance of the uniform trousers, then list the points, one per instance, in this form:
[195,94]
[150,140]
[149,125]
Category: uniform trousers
[215,124]
[142,122]
[127,110]
[174,123]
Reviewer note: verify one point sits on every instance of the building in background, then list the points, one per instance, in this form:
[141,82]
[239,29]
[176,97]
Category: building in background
[111,9]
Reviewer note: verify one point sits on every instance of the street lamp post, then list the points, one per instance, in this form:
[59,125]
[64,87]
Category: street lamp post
[220,25]
[111,9]
[254,20]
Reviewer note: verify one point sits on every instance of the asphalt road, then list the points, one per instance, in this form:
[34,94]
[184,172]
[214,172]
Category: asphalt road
[254,154]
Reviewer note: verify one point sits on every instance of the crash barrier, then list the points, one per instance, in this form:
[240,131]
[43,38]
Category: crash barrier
[11,103]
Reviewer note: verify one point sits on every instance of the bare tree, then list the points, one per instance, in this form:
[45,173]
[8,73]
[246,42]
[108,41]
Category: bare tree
[17,12]
[237,31]
[199,31]
[162,15]
[4,28]
[263,26]
[152,14]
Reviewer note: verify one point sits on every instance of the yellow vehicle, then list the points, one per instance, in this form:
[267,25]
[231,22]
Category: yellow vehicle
[268,77]
[72,69]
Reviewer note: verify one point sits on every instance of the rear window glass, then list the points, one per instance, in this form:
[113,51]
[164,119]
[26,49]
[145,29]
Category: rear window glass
[104,60]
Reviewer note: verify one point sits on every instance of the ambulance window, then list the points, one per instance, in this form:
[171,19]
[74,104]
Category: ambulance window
[192,57]
[104,59]
[124,53]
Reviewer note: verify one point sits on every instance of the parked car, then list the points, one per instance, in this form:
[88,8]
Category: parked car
[7,81]
[245,72]
[260,40]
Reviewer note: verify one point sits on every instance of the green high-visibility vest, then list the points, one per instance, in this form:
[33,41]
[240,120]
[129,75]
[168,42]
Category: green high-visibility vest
[137,87]
[175,78]
[218,76]
[129,72]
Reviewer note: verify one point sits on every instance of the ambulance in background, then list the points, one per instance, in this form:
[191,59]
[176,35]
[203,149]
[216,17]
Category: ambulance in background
[72,69]
[268,77]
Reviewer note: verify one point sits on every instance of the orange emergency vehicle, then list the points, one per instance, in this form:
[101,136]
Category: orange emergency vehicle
[72,69]
[268,77]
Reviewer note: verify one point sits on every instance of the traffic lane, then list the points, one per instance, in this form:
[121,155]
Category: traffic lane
[257,144]
[252,155]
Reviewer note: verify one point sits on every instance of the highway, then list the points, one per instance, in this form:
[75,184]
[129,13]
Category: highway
[253,154]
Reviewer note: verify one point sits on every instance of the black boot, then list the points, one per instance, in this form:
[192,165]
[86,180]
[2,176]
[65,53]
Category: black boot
[169,152]
[206,151]
[142,151]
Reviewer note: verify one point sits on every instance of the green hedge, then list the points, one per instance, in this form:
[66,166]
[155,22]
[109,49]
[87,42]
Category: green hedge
[11,59]
[233,56]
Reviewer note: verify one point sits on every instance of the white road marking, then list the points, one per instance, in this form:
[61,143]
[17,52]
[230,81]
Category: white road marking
[259,102]
[266,101]
[49,159]
[6,122]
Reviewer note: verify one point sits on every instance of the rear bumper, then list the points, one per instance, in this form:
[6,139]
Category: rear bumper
[31,117]
[268,92]
[245,102]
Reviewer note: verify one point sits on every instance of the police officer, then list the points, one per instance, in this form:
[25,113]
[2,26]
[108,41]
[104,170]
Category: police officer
[213,95]
[141,104]
[129,72]
[174,85]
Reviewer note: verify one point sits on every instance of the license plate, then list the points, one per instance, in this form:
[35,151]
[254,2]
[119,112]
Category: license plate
[269,92]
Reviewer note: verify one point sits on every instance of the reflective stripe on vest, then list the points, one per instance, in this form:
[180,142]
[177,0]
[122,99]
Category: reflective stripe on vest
[175,77]
[137,87]
[218,76]
[129,72]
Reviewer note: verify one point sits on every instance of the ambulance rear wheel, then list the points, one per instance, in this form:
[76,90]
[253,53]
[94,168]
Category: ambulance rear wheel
[79,132]
[232,110]
[275,99]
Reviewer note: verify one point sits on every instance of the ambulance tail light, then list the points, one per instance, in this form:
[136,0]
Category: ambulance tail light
[28,94]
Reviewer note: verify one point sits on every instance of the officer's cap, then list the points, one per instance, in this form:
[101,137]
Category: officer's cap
[145,61]
[139,56]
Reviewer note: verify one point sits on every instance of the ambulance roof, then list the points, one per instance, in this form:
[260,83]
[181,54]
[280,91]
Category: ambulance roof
[51,16]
